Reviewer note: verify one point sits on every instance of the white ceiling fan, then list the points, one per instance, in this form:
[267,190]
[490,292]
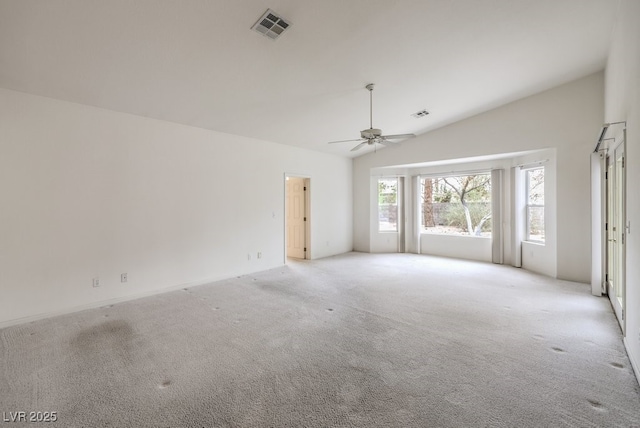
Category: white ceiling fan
[373,135]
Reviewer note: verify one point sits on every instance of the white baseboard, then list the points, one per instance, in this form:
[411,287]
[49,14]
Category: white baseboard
[113,301]
[634,363]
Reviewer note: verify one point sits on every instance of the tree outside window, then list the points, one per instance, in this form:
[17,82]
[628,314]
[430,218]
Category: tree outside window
[457,205]
[388,204]
[535,204]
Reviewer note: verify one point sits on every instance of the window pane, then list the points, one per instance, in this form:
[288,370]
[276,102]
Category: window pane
[456,205]
[535,204]
[388,205]
[535,184]
[535,223]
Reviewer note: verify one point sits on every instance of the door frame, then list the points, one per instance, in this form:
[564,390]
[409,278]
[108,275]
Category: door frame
[307,214]
[613,152]
[608,155]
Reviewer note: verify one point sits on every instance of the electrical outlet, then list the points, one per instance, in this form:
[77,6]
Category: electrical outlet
[96,282]
[259,255]
[123,277]
[248,256]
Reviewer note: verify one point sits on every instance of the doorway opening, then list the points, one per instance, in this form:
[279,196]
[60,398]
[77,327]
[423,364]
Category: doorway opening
[297,219]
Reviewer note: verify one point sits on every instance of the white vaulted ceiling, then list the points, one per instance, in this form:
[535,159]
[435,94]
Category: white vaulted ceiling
[197,62]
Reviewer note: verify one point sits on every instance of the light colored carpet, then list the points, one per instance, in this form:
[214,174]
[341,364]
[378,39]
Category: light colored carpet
[354,340]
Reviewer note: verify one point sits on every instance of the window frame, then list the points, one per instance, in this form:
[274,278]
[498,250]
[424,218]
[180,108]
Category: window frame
[378,204]
[421,178]
[528,205]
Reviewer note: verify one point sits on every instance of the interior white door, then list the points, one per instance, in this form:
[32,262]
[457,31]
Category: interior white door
[296,218]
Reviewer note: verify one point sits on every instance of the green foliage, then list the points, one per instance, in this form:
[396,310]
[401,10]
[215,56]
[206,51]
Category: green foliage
[449,196]
[444,197]
[535,186]
[387,191]
[454,215]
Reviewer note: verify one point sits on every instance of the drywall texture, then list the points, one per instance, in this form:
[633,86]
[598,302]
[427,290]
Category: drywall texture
[622,103]
[536,260]
[463,247]
[92,193]
[565,118]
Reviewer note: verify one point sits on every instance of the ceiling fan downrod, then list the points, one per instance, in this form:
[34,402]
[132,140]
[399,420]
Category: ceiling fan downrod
[370,88]
[372,136]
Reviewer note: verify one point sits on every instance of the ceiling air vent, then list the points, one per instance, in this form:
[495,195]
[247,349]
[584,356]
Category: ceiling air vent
[271,25]
[421,113]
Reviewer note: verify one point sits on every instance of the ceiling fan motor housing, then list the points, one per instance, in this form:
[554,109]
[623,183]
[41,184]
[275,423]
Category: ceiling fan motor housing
[370,133]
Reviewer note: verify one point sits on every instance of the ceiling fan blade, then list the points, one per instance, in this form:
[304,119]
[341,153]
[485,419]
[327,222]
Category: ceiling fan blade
[359,145]
[388,143]
[397,136]
[372,135]
[347,141]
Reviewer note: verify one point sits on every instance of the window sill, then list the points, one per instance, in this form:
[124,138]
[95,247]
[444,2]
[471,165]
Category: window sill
[537,243]
[454,235]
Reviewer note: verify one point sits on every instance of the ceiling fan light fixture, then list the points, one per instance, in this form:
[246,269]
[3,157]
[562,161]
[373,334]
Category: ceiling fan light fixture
[370,133]
[271,25]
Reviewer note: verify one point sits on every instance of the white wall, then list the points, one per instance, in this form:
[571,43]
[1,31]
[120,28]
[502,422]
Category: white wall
[622,103]
[462,247]
[89,192]
[565,118]
[536,259]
